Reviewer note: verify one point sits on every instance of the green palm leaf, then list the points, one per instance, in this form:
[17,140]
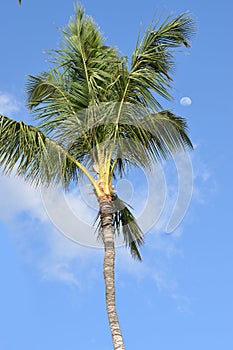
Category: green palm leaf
[124,222]
[83,71]
[35,156]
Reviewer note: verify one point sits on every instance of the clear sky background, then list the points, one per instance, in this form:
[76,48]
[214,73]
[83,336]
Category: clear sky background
[180,296]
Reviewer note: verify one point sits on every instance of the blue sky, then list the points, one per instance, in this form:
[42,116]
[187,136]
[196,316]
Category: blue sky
[180,296]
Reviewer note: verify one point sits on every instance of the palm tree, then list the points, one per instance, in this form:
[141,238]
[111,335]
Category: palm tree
[97,116]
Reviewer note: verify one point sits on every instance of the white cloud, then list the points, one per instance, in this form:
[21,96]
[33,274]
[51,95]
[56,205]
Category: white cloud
[56,257]
[18,197]
[60,259]
[68,262]
[8,104]
[59,272]
[183,303]
[205,185]
[73,217]
[185,101]
[155,267]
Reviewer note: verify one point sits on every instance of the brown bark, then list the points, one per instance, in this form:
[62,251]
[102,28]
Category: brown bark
[106,214]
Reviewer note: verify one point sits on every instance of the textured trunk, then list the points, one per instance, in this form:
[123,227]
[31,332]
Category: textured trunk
[106,213]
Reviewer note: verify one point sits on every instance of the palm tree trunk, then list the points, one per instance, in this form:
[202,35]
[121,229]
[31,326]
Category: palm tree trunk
[106,214]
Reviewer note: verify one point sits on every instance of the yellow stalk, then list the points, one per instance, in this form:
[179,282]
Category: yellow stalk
[107,178]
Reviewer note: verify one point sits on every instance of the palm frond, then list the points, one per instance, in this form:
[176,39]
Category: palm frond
[125,222]
[82,74]
[36,157]
[152,139]
[53,100]
[158,135]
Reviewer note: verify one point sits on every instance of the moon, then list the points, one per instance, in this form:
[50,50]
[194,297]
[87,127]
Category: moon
[185,101]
